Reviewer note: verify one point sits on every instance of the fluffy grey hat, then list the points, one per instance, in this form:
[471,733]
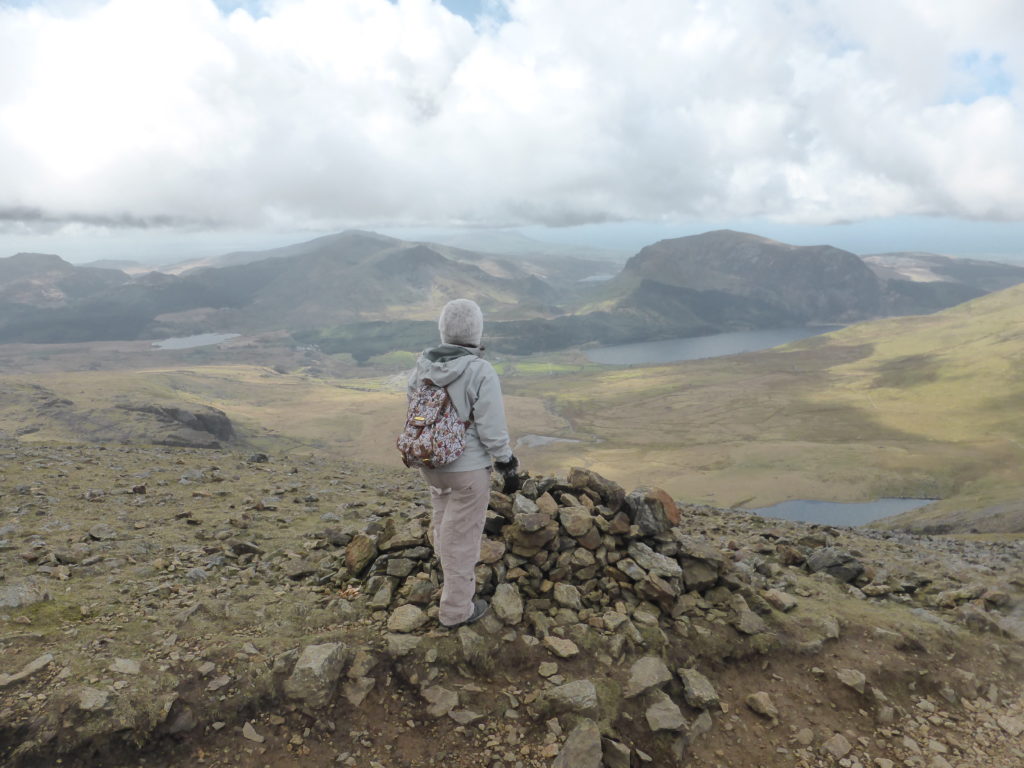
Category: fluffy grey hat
[461,322]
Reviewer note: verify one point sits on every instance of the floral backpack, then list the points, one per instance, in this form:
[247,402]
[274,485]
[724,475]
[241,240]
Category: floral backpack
[434,435]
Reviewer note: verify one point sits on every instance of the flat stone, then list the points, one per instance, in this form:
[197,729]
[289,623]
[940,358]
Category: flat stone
[577,521]
[507,604]
[400,645]
[465,716]
[582,748]
[355,691]
[92,699]
[749,623]
[251,734]
[561,647]
[400,567]
[491,551]
[663,714]
[697,689]
[655,563]
[578,696]
[646,673]
[629,567]
[28,670]
[103,532]
[406,618]
[837,746]
[836,562]
[1012,725]
[315,675]
[524,506]
[852,678]
[568,596]
[20,595]
[780,601]
[440,701]
[125,667]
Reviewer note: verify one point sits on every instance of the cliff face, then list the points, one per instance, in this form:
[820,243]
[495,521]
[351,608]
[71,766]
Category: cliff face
[811,283]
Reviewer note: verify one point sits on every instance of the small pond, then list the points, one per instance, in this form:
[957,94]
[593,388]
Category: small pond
[699,347]
[199,340]
[838,512]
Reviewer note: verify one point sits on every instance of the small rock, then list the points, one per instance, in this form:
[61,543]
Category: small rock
[578,696]
[102,532]
[315,675]
[407,618]
[837,746]
[663,714]
[250,733]
[1012,725]
[852,678]
[402,645]
[507,604]
[29,669]
[547,669]
[356,691]
[697,689]
[465,716]
[779,600]
[762,704]
[646,673]
[582,749]
[92,699]
[125,667]
[561,647]
[568,596]
[440,701]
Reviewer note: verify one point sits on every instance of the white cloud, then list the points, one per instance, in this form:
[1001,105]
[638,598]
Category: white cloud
[336,113]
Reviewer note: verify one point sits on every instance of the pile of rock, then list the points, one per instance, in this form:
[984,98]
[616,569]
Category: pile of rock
[577,544]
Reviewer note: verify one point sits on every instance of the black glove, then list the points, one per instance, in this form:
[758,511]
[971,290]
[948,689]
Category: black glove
[508,473]
[510,465]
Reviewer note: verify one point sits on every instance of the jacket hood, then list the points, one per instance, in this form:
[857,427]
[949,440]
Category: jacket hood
[444,364]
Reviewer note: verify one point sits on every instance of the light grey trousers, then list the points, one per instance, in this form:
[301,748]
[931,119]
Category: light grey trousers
[460,509]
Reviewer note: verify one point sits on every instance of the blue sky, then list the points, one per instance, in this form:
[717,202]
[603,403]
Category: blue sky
[132,129]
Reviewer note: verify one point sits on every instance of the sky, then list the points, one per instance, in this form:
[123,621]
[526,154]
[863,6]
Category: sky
[150,129]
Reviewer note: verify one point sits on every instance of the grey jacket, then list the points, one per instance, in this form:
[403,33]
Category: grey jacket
[475,391]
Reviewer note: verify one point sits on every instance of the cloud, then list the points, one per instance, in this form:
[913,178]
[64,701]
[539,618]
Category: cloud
[320,113]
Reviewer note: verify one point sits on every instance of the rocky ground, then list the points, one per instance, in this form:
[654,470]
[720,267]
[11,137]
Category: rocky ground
[172,607]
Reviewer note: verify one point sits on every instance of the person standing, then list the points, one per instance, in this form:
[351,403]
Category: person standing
[460,490]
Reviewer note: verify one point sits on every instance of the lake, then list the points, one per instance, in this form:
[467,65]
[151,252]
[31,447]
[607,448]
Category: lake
[699,347]
[199,340]
[838,512]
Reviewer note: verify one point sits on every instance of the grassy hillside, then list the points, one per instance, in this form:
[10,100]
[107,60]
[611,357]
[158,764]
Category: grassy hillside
[922,406]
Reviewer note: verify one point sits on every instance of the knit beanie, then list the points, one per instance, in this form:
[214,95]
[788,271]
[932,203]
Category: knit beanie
[461,322]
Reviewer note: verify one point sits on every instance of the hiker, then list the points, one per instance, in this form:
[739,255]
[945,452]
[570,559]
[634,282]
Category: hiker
[460,490]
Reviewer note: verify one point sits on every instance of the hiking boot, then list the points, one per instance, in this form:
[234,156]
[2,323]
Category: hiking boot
[480,608]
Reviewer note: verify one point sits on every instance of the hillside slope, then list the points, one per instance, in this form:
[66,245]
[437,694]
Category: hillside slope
[927,406]
[177,608]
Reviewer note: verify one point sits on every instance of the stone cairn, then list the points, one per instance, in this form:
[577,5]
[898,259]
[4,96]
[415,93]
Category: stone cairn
[578,543]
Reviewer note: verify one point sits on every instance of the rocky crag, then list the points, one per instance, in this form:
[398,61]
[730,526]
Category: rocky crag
[183,607]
